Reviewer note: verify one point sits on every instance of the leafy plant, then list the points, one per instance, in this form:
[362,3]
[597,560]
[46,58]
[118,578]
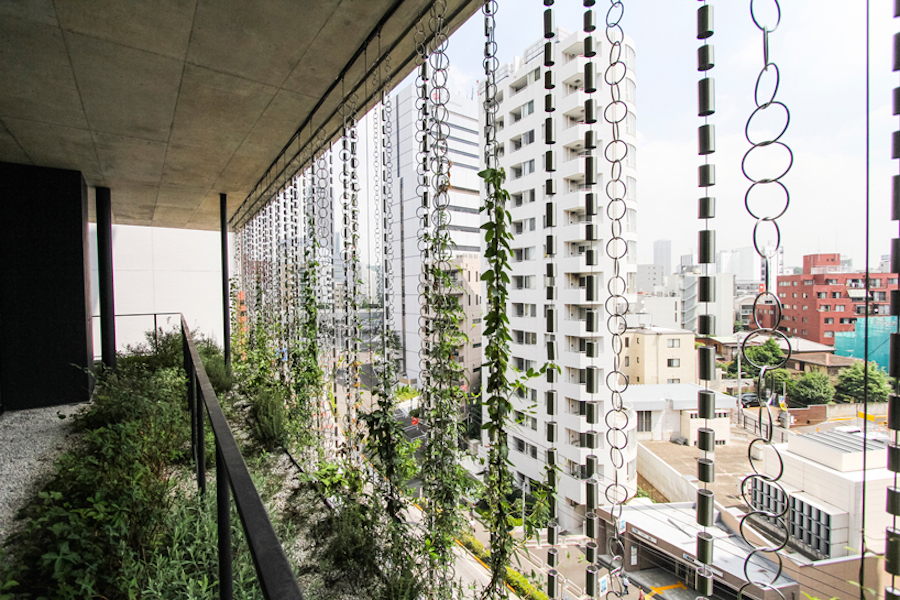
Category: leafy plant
[813,388]
[269,417]
[851,384]
[105,504]
[499,389]
[768,353]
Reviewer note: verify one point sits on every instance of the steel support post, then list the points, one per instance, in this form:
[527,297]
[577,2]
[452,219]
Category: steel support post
[105,275]
[226,315]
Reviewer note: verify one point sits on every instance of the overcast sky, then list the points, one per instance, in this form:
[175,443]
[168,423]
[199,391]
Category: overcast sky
[820,49]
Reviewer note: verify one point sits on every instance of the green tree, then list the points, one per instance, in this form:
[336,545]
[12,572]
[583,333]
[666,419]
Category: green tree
[813,388]
[766,354]
[850,386]
[738,326]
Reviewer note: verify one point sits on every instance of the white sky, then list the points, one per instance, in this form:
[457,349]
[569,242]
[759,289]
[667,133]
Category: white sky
[820,49]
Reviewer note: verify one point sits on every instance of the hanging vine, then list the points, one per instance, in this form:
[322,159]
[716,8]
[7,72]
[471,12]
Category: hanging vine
[441,314]
[308,380]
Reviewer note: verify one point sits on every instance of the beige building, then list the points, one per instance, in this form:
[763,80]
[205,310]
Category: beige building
[655,355]
[467,279]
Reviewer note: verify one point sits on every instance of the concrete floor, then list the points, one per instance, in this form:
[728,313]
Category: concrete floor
[732,464]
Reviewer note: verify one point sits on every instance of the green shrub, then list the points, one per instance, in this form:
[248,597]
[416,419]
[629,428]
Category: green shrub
[523,588]
[105,503]
[218,374]
[269,417]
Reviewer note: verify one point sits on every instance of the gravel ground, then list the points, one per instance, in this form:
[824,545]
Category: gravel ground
[30,441]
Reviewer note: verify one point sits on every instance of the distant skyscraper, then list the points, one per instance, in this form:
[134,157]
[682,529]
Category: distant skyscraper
[463,152]
[662,255]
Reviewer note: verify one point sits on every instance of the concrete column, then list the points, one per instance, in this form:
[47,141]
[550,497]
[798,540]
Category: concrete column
[105,275]
[46,348]
[226,291]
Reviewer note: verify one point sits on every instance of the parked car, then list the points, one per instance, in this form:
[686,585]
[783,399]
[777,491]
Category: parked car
[749,399]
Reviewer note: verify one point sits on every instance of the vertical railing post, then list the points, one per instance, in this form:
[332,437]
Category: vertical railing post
[156,334]
[223,506]
[201,438]
[189,373]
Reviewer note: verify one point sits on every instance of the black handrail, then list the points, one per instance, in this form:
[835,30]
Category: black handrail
[276,578]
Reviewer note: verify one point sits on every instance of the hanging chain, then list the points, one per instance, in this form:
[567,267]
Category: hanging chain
[326,297]
[616,304]
[757,486]
[892,534]
[350,259]
[551,455]
[441,309]
[706,323]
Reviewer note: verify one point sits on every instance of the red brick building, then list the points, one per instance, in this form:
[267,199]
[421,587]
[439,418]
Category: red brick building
[823,300]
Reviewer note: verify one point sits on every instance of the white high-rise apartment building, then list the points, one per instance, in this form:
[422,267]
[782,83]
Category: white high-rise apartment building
[463,151]
[553,230]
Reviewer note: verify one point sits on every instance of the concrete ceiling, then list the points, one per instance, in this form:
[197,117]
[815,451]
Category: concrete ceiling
[171,102]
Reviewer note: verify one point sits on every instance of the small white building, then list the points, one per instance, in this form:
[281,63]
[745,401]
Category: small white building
[668,411]
[823,480]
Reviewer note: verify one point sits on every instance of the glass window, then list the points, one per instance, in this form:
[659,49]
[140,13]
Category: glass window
[674,362]
[673,343]
[643,420]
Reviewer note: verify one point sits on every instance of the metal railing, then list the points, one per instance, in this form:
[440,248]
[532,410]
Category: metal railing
[276,577]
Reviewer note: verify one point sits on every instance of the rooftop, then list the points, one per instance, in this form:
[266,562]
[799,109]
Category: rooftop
[676,524]
[827,359]
[654,330]
[682,395]
[841,450]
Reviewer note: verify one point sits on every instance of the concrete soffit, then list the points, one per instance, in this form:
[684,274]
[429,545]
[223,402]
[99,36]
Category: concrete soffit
[173,102]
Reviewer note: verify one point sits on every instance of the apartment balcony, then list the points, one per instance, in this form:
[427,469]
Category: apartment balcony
[571,106]
[574,327]
[572,136]
[574,263]
[572,72]
[578,360]
[573,232]
[571,170]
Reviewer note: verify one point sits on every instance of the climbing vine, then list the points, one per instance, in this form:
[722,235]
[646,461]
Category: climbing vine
[307,373]
[497,397]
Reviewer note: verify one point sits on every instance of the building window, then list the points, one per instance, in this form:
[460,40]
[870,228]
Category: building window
[829,334]
[674,362]
[673,343]
[825,308]
[627,361]
[829,320]
[839,307]
[835,294]
[673,380]
[643,421]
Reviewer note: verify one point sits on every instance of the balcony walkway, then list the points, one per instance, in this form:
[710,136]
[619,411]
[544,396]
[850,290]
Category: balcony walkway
[31,441]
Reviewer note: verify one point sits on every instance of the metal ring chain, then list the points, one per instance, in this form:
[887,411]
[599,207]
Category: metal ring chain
[753,484]
[616,303]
